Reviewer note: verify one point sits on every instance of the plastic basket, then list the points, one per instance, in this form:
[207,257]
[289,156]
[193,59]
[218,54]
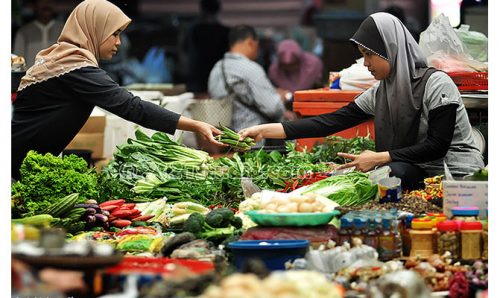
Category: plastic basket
[213,111]
[470,81]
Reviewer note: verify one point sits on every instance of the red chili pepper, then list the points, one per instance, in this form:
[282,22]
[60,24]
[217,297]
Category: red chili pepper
[294,185]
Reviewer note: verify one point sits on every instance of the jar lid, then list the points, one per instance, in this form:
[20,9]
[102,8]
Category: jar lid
[471,226]
[422,223]
[436,214]
[465,211]
[449,225]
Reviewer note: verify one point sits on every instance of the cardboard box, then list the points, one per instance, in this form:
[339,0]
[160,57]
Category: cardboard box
[95,124]
[465,193]
[89,141]
[91,135]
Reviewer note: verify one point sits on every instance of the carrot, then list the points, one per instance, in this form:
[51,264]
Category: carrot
[109,207]
[122,213]
[143,217]
[120,223]
[118,202]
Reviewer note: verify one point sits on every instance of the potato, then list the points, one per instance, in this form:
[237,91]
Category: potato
[305,207]
[282,209]
[293,207]
[270,207]
[296,199]
[310,197]
[317,206]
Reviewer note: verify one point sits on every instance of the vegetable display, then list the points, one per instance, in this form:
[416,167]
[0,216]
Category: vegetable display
[45,179]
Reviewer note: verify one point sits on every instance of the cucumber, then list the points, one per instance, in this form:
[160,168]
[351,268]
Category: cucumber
[76,213]
[36,220]
[63,206]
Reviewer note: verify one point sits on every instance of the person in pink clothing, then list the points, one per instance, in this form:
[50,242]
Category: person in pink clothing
[295,69]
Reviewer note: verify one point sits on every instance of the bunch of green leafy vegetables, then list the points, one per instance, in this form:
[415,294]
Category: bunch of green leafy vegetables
[150,167]
[268,170]
[351,189]
[47,178]
[327,151]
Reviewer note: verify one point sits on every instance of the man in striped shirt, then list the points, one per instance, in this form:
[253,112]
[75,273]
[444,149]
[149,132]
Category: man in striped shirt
[259,102]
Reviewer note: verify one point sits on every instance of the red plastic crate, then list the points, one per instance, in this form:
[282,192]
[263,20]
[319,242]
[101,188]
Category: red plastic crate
[320,101]
[147,265]
[470,81]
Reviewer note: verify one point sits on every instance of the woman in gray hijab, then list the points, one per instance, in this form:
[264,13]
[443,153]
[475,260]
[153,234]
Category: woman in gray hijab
[420,119]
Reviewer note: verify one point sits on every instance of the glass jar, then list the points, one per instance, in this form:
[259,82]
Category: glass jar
[465,213]
[448,238]
[485,241]
[471,233]
[422,235]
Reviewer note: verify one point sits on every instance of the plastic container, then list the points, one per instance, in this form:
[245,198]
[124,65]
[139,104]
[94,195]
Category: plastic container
[422,235]
[440,217]
[291,219]
[448,238]
[274,253]
[471,233]
[470,81]
[465,213]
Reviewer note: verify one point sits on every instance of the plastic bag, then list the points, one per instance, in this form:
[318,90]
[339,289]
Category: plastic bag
[155,63]
[356,77]
[475,42]
[444,49]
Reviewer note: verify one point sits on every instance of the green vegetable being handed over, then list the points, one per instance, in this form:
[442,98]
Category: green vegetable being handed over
[232,139]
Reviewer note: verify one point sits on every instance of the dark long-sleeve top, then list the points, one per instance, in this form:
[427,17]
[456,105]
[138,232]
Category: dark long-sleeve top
[49,114]
[445,133]
[441,126]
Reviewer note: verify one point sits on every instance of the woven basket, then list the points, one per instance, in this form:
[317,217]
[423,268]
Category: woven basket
[213,111]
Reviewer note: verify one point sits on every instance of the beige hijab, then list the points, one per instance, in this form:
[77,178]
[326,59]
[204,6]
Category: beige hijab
[87,27]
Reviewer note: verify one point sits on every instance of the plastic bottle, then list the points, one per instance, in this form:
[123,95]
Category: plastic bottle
[371,237]
[359,228]
[405,235]
[345,232]
[386,241]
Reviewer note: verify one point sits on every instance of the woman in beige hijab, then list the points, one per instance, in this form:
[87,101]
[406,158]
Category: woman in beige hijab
[58,93]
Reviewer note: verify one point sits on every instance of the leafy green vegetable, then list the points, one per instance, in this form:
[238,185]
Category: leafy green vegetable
[47,178]
[350,189]
[327,151]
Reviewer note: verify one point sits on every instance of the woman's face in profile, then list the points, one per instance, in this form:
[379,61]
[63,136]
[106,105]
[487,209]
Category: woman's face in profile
[377,66]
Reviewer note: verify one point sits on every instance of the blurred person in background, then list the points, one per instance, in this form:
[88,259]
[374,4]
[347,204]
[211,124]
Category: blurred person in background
[57,94]
[205,43]
[38,34]
[259,102]
[295,69]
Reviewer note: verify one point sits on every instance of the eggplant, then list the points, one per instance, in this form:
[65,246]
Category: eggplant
[105,212]
[101,217]
[90,218]
[90,211]
[83,205]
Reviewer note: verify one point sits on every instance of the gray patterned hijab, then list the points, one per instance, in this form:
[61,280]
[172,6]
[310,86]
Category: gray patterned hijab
[398,105]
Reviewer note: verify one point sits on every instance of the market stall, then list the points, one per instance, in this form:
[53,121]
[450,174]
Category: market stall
[179,220]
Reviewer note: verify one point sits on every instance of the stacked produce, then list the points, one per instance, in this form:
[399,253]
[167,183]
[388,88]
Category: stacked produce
[46,179]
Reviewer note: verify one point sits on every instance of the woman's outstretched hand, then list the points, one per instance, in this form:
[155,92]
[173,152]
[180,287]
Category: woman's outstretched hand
[365,161]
